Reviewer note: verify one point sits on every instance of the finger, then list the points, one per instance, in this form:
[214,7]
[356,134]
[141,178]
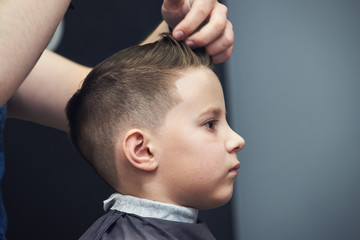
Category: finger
[173,11]
[172,4]
[223,42]
[198,13]
[212,30]
[222,57]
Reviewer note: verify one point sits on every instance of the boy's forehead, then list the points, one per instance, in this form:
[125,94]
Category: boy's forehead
[201,89]
[200,94]
[197,79]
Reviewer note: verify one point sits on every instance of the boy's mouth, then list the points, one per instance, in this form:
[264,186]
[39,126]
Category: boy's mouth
[235,168]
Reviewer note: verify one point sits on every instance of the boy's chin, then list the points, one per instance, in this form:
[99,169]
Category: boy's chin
[214,203]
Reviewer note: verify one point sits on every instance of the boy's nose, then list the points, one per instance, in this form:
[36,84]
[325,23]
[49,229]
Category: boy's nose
[235,142]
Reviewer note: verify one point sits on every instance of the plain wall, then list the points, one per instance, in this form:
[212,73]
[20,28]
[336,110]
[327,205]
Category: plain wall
[294,92]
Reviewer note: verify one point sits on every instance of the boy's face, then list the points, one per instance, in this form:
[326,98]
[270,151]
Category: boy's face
[196,147]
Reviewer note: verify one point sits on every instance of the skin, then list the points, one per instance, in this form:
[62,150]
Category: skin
[192,158]
[25,29]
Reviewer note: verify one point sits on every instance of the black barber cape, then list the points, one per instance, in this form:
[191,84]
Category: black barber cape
[118,225]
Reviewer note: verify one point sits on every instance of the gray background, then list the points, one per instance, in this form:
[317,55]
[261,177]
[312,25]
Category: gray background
[294,95]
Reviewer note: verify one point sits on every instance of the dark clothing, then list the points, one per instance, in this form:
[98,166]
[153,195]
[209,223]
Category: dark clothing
[3,218]
[119,225]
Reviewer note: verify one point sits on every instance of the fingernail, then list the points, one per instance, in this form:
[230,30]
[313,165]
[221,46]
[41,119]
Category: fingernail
[190,43]
[178,35]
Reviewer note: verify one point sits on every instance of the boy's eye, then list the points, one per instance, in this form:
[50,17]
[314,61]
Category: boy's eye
[210,124]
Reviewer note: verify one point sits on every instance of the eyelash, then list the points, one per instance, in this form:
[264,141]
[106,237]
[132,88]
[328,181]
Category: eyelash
[211,124]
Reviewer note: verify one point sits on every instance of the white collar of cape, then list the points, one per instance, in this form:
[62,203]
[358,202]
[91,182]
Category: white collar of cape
[152,209]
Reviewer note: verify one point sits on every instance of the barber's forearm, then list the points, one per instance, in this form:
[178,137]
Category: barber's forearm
[44,94]
[54,79]
[26,27]
[155,35]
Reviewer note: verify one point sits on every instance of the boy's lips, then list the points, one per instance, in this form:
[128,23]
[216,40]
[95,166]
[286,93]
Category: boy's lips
[235,168]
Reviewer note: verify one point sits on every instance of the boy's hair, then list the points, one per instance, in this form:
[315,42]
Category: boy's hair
[134,88]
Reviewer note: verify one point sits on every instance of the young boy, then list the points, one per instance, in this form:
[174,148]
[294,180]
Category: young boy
[151,120]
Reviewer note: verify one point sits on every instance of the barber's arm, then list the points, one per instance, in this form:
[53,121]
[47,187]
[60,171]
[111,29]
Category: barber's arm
[26,26]
[43,95]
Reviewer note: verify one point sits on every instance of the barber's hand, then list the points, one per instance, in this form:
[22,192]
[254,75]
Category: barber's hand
[185,17]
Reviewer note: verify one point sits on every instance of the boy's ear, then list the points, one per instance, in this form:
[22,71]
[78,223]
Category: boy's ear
[138,151]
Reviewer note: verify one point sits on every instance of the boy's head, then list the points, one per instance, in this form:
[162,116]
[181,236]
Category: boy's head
[151,120]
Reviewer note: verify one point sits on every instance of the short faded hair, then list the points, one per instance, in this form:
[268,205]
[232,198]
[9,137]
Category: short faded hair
[133,88]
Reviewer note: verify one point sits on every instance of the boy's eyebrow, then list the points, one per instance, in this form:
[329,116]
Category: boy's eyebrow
[215,111]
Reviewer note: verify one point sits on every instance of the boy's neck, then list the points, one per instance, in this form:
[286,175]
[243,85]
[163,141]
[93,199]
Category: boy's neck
[148,208]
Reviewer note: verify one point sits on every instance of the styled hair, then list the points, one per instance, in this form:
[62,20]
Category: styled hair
[134,88]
